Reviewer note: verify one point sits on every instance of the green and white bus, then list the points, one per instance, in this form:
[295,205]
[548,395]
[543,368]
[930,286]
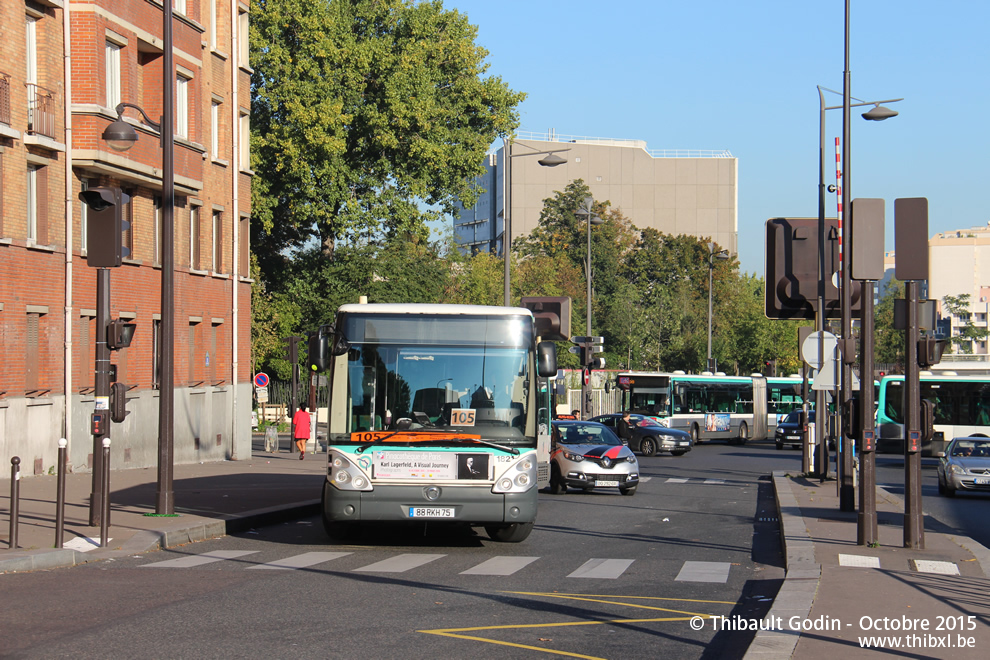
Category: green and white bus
[961,408]
[438,413]
[783,397]
[709,407]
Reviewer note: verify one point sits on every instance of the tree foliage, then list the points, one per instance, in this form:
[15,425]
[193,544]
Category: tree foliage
[969,332]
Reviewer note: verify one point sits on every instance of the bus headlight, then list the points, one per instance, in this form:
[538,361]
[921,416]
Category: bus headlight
[345,475]
[518,478]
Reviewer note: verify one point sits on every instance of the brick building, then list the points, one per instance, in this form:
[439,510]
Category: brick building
[64,66]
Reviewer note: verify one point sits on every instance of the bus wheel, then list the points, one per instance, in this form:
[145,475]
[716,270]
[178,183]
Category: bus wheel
[648,447]
[338,531]
[513,533]
[695,435]
[743,432]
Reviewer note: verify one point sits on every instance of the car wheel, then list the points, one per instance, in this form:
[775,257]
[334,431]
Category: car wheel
[628,491]
[949,490]
[513,533]
[648,447]
[556,482]
[678,452]
[695,434]
[941,487]
[780,445]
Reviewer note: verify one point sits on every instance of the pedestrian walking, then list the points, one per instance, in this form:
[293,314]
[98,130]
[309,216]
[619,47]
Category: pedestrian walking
[300,422]
[623,426]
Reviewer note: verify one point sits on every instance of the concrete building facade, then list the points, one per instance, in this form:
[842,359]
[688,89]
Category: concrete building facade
[64,66]
[959,263]
[675,192]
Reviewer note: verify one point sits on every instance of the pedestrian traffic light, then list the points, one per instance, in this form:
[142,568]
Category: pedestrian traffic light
[105,226]
[118,402]
[119,334]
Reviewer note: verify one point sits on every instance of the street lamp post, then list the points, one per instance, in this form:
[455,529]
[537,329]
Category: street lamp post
[585,211]
[550,159]
[721,255]
[121,136]
[878,113]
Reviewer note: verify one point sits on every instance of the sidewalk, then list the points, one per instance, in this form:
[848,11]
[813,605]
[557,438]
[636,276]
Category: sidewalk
[211,499]
[832,584]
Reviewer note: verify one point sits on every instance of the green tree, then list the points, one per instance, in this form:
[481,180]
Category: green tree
[958,306]
[888,343]
[362,110]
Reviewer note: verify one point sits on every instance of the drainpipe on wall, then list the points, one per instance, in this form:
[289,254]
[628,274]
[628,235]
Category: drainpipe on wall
[235,202]
[67,60]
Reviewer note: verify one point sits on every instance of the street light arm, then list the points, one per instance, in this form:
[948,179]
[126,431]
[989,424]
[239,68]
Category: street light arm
[147,120]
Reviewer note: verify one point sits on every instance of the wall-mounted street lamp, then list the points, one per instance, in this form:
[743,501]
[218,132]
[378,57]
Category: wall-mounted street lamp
[721,255]
[121,136]
[550,159]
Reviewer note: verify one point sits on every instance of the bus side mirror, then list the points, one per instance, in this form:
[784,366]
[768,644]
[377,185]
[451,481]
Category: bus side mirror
[927,420]
[546,359]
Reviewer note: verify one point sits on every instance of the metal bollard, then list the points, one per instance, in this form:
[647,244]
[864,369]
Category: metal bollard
[105,517]
[60,493]
[15,493]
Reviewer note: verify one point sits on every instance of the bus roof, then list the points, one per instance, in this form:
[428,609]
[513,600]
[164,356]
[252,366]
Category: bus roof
[421,309]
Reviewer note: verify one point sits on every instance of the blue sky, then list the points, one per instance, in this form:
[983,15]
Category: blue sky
[742,76]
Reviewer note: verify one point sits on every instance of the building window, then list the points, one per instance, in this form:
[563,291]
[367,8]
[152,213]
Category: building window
[1,194]
[195,235]
[179,6]
[182,107]
[113,74]
[244,244]
[244,141]
[156,357]
[242,39]
[217,241]
[32,360]
[32,203]
[192,354]
[213,24]
[215,129]
[157,238]
[83,219]
[127,239]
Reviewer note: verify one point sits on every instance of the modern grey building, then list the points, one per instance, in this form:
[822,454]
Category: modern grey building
[673,191]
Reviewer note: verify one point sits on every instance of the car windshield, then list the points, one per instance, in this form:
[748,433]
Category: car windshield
[965,448]
[794,417]
[584,434]
[645,421]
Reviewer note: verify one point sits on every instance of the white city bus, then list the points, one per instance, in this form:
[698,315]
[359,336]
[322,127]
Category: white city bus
[436,414]
[708,406]
[783,397]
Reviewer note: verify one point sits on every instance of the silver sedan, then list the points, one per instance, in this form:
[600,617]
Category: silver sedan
[964,465]
[589,455]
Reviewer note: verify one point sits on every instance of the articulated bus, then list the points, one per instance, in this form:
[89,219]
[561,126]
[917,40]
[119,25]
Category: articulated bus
[961,407]
[783,397]
[732,408]
[438,413]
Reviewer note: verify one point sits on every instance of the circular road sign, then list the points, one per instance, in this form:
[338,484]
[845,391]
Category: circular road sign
[261,379]
[809,350]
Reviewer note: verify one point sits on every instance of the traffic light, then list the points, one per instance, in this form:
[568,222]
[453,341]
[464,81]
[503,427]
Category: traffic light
[318,348]
[118,402]
[119,334]
[105,226]
[930,351]
[792,269]
[552,315]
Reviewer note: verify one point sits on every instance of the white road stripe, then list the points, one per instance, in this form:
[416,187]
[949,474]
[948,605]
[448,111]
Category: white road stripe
[302,561]
[200,560]
[399,564]
[715,481]
[500,566]
[704,571]
[608,569]
[676,480]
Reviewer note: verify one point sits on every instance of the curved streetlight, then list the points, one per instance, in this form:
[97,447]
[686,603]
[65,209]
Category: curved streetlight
[585,211]
[550,159]
[721,255]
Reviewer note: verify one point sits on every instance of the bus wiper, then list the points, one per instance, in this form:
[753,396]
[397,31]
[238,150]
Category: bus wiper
[511,450]
[377,441]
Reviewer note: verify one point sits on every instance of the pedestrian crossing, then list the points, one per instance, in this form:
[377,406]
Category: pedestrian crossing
[500,566]
[682,480]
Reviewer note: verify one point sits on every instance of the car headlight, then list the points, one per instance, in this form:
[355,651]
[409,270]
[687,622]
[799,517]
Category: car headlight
[956,469]
[577,458]
[630,459]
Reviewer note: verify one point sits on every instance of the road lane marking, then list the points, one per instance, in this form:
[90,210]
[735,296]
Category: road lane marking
[704,571]
[676,480]
[399,564]
[608,569]
[500,566]
[200,560]
[304,560]
[716,482]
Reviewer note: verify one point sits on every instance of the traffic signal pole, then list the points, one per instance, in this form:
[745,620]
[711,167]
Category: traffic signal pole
[101,412]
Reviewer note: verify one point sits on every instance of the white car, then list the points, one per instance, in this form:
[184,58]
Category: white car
[254,420]
[588,455]
[964,465]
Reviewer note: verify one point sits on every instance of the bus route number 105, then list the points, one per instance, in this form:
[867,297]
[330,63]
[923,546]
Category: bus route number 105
[462,417]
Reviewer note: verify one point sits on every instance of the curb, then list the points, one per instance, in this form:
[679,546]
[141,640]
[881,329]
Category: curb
[797,594]
[23,561]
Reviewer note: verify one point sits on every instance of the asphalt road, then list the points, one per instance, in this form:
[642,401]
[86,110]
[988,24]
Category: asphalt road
[602,576]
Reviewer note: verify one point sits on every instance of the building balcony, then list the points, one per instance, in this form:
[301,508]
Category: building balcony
[41,111]
[4,98]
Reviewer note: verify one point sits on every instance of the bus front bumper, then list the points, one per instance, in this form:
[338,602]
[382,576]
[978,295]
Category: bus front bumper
[470,505]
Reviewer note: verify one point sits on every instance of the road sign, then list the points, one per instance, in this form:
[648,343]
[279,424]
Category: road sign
[809,349]
[262,394]
[261,379]
[588,340]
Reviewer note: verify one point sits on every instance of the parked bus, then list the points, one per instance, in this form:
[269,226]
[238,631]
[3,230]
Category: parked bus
[732,408]
[961,408]
[783,397]
[437,413]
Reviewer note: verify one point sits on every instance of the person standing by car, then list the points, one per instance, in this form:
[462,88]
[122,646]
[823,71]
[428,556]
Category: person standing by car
[622,427]
[300,422]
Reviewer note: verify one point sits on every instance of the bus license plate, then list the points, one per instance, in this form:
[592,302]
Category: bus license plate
[431,512]
[981,481]
[607,483]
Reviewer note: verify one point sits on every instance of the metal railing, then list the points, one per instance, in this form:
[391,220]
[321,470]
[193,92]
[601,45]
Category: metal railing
[553,136]
[4,98]
[41,111]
